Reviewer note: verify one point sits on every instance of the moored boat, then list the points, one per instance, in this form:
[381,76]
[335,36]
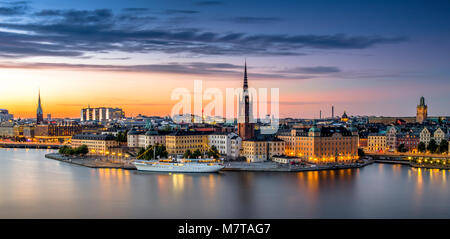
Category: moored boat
[179,166]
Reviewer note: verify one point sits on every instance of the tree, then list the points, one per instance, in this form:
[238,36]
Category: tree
[443,146]
[83,150]
[401,148]
[422,147]
[213,152]
[65,150]
[196,154]
[361,153]
[187,154]
[432,146]
[122,136]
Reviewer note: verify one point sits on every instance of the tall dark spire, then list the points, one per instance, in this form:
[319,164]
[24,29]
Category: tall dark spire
[245,76]
[39,111]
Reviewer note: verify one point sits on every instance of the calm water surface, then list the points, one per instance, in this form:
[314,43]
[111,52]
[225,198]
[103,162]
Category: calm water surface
[32,186]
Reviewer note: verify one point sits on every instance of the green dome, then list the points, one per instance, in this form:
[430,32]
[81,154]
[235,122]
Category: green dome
[314,129]
[151,132]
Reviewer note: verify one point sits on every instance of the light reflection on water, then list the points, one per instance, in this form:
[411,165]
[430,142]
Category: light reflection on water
[35,187]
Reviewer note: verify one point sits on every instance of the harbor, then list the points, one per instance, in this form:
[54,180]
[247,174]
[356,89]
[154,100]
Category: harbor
[104,162]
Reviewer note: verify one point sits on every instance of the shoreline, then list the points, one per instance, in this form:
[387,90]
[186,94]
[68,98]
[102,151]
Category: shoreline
[232,166]
[88,162]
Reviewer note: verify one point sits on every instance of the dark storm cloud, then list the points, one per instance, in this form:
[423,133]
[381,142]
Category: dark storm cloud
[177,11]
[253,20]
[13,8]
[136,9]
[314,70]
[191,68]
[208,3]
[77,32]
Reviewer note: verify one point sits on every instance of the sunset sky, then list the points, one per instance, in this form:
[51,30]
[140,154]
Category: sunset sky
[366,57]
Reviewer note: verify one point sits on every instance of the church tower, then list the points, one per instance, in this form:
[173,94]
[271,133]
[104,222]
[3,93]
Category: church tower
[39,111]
[246,128]
[422,114]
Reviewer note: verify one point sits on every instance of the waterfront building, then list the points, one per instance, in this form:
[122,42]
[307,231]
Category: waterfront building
[322,145]
[428,133]
[39,111]
[143,139]
[101,114]
[391,138]
[376,142]
[409,139]
[228,144]
[57,132]
[260,150]
[96,143]
[422,109]
[28,131]
[236,146]
[178,142]
[246,126]
[6,129]
[5,115]
[18,130]
[439,135]
[286,159]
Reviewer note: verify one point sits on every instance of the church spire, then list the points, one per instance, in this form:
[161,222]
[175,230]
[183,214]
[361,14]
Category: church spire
[39,111]
[245,76]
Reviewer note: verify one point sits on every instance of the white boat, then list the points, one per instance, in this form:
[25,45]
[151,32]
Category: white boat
[179,166]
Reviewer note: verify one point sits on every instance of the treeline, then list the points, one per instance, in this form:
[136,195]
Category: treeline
[433,147]
[67,150]
[212,153]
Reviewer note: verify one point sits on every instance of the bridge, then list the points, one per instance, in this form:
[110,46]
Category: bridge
[405,156]
[30,145]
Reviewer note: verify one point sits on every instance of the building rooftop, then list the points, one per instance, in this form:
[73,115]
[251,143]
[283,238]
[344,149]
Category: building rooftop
[94,137]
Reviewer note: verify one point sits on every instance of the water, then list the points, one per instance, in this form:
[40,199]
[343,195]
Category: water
[32,186]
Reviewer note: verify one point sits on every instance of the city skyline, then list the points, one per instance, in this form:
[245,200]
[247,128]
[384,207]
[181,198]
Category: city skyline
[364,59]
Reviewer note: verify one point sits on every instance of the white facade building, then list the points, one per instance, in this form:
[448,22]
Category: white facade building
[101,114]
[228,144]
[144,139]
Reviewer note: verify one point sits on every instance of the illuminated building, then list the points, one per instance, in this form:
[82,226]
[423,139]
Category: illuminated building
[101,114]
[259,150]
[344,117]
[391,138]
[376,142]
[228,144]
[143,139]
[422,108]
[409,140]
[178,142]
[428,133]
[322,145]
[60,131]
[96,143]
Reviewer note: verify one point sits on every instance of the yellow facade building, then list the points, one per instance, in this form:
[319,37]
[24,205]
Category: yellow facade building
[178,142]
[376,143]
[97,144]
[261,150]
[322,145]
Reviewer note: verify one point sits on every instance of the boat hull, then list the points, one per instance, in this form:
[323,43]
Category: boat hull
[185,168]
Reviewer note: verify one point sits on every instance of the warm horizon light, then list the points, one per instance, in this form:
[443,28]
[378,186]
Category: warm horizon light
[366,59]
